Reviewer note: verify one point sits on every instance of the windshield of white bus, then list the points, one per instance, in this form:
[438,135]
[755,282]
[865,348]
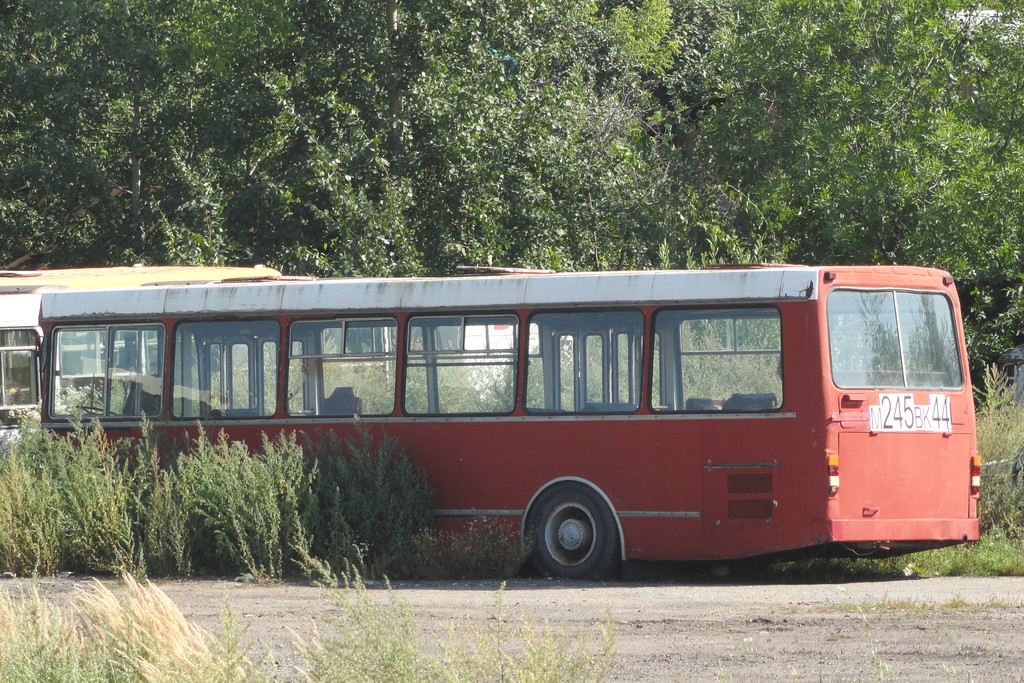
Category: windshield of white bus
[18,369]
[893,339]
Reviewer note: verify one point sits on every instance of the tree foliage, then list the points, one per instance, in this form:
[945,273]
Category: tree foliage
[867,132]
[404,137]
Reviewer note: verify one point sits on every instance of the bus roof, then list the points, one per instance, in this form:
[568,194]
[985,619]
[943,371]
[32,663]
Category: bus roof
[509,291]
[752,284]
[119,277]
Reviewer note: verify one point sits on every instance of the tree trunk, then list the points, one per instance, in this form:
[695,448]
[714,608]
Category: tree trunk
[394,89]
[135,140]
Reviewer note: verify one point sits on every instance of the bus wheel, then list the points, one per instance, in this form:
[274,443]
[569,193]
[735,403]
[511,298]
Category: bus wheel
[574,535]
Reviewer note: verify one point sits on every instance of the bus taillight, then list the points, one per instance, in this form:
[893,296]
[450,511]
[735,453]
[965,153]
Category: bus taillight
[833,473]
[975,474]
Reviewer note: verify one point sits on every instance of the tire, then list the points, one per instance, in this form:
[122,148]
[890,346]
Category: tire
[574,534]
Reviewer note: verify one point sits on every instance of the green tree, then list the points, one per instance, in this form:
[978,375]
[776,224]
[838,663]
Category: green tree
[870,131]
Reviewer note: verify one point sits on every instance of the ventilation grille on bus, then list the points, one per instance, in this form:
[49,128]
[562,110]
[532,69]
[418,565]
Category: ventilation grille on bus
[751,508]
[759,482]
[749,487]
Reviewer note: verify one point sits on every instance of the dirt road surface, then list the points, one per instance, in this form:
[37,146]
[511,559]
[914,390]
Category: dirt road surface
[948,629]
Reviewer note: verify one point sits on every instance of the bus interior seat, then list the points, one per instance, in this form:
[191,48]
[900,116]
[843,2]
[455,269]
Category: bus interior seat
[343,401]
[703,404]
[139,401]
[750,403]
[150,403]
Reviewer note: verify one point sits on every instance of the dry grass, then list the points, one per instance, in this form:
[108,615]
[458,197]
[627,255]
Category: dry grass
[139,635]
[377,640]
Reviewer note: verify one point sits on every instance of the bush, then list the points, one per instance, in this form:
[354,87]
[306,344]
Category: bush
[83,503]
[368,505]
[240,510]
[31,529]
[484,549]
[1000,425]
[68,503]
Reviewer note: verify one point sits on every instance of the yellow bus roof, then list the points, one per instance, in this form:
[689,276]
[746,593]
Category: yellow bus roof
[119,277]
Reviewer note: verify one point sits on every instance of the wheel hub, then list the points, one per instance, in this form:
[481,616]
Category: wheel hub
[572,534]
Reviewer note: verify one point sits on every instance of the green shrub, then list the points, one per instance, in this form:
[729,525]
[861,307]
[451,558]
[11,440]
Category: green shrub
[1000,424]
[484,549]
[31,527]
[74,497]
[240,509]
[368,504]
[164,527]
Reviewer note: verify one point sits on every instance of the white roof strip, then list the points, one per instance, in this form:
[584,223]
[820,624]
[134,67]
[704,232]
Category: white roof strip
[19,310]
[396,294]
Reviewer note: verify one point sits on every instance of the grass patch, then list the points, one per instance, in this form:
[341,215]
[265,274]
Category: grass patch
[996,553]
[138,634]
[377,639]
[956,604]
[835,569]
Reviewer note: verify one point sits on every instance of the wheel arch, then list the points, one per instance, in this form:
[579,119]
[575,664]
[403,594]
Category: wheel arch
[589,484]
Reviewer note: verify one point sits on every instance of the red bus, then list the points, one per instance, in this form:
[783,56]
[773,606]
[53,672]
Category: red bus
[662,415]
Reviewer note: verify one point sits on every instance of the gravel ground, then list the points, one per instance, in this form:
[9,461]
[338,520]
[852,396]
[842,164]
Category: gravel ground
[962,629]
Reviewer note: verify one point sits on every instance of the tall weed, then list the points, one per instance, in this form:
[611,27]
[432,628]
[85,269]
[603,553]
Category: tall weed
[241,509]
[368,506]
[141,636]
[377,639]
[75,495]
[164,527]
[32,533]
[1000,425]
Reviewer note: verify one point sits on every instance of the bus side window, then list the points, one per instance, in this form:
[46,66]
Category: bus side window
[584,362]
[713,360]
[225,368]
[110,371]
[461,365]
[18,369]
[342,367]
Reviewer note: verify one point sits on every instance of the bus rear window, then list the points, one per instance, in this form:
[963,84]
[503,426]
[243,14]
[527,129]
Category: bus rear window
[893,340]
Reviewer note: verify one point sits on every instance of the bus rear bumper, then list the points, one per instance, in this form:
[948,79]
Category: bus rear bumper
[927,532]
